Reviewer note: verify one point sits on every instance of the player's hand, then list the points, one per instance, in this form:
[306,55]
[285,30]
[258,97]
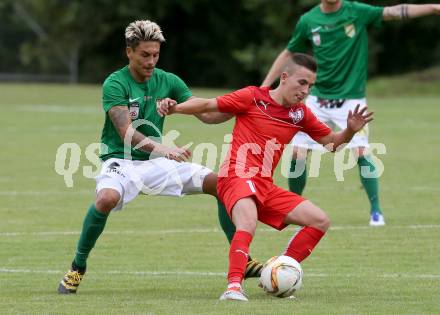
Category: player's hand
[358,118]
[177,154]
[164,106]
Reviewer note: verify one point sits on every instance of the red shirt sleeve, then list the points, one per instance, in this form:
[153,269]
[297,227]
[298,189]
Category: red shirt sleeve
[235,102]
[313,126]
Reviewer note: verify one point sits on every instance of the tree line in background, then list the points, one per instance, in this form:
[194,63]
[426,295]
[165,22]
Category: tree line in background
[228,43]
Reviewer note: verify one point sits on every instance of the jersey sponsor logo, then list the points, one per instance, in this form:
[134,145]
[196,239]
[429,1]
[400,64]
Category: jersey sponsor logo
[134,110]
[324,103]
[350,30]
[296,115]
[316,38]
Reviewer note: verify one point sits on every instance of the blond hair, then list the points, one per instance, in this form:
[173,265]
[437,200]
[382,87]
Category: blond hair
[142,30]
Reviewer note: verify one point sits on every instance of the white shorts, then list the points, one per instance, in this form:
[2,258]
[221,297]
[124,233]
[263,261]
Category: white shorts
[158,176]
[334,117]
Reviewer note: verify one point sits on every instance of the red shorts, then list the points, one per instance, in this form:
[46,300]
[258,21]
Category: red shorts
[273,202]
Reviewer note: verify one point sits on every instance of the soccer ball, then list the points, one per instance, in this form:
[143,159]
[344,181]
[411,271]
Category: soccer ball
[281,276]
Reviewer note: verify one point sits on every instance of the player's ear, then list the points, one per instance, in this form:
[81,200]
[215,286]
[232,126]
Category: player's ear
[284,76]
[128,51]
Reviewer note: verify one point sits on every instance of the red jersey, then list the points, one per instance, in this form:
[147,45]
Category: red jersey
[262,129]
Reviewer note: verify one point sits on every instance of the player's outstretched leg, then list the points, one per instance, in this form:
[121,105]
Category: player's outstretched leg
[93,225]
[253,267]
[371,186]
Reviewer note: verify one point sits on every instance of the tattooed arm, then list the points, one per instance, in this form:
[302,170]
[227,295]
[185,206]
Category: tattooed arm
[120,118]
[408,11]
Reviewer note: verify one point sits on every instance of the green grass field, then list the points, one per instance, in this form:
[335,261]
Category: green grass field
[167,256]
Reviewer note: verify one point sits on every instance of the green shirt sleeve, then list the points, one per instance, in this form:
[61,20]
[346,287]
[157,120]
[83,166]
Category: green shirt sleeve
[371,15]
[180,91]
[298,41]
[113,94]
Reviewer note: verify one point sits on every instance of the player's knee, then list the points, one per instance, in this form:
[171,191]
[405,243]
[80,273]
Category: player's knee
[106,200]
[321,222]
[247,225]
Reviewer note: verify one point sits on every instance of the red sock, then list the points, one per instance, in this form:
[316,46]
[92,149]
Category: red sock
[238,256]
[303,242]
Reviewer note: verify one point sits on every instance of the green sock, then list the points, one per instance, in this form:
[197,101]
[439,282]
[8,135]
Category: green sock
[371,184]
[297,184]
[93,225]
[225,221]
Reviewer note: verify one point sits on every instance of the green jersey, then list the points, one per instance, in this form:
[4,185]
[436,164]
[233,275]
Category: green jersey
[120,89]
[340,45]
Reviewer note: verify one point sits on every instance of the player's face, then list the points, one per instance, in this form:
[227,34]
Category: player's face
[143,59]
[296,87]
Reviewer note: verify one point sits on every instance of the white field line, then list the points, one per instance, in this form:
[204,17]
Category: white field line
[223,274]
[59,109]
[211,230]
[82,191]
[358,188]
[157,232]
[44,193]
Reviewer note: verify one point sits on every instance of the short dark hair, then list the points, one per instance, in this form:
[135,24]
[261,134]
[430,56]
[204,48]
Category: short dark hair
[305,60]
